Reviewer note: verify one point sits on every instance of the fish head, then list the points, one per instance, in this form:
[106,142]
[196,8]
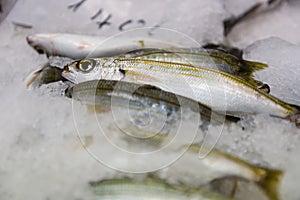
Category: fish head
[42,43]
[83,70]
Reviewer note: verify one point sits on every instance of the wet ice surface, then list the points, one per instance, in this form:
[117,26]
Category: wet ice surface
[236,9]
[65,20]
[283,59]
[41,156]
[282,22]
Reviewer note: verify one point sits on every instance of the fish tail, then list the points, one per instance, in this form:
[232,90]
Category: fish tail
[270,183]
[247,69]
[32,77]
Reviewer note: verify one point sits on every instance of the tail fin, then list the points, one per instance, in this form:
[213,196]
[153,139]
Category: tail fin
[248,68]
[253,66]
[33,77]
[270,183]
[46,74]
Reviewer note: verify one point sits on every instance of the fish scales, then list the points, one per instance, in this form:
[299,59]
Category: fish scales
[218,90]
[149,189]
[225,86]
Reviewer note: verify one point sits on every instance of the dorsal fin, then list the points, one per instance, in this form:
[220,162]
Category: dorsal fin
[247,69]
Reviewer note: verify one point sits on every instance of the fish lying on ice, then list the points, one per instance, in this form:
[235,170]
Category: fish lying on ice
[189,168]
[139,98]
[148,189]
[220,91]
[81,46]
[217,165]
[209,58]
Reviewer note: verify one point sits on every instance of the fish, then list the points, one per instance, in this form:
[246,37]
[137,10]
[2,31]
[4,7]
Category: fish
[218,165]
[220,91]
[149,188]
[77,46]
[81,46]
[139,98]
[209,58]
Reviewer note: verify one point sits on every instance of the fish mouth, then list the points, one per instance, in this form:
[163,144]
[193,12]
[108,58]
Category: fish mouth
[68,74]
[31,40]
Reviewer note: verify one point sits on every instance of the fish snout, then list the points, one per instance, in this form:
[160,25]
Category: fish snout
[30,39]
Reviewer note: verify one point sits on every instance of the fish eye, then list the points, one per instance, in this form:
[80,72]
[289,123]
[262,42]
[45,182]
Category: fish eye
[86,65]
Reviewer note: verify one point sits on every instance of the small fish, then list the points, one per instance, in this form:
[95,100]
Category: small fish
[209,58]
[149,189]
[82,46]
[140,97]
[218,90]
[218,165]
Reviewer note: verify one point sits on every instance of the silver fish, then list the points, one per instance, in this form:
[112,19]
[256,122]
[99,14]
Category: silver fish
[203,57]
[218,165]
[141,100]
[82,46]
[218,90]
[149,189]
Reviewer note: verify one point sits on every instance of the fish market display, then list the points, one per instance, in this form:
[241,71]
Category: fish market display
[149,188]
[153,100]
[218,90]
[218,165]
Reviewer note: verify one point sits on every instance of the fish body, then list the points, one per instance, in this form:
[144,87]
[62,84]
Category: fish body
[81,46]
[149,189]
[209,58]
[137,97]
[218,165]
[218,90]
